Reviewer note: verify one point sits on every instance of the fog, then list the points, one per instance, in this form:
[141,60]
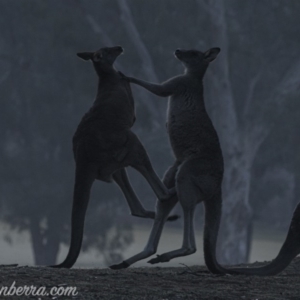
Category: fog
[251,94]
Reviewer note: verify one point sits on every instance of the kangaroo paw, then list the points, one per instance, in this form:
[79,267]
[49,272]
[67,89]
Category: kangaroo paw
[122,265]
[171,193]
[173,218]
[158,259]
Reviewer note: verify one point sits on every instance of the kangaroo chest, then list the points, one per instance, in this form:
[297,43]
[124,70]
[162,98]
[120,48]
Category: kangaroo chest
[112,111]
[190,129]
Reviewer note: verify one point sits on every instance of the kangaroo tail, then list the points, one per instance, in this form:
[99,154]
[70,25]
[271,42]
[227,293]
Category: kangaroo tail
[84,178]
[289,250]
[213,212]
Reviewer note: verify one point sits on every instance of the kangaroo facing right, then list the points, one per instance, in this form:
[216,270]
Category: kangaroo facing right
[198,171]
[104,146]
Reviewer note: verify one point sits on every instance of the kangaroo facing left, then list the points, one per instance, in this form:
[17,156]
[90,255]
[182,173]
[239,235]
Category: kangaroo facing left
[103,145]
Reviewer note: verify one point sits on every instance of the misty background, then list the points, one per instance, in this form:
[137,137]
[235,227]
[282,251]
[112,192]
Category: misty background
[251,93]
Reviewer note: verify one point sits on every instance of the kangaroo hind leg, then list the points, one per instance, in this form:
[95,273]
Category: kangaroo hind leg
[140,161]
[193,185]
[136,208]
[188,195]
[163,210]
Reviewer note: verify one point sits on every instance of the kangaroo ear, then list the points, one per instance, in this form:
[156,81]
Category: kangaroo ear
[85,55]
[211,54]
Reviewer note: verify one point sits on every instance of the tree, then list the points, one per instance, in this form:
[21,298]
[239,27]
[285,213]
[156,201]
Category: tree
[246,88]
[276,170]
[241,121]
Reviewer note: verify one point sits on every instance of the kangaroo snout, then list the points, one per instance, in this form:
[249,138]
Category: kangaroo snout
[177,51]
[119,49]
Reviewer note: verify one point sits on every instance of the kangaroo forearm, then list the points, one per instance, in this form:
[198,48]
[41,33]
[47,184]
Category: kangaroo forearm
[157,89]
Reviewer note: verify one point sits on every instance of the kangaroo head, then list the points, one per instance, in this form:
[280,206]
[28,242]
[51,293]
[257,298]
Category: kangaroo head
[197,61]
[103,59]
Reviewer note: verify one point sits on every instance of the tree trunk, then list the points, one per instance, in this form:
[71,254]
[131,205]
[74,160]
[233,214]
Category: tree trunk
[235,234]
[45,245]
[155,108]
[233,242]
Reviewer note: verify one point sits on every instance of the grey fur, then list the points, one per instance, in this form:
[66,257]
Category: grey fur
[198,171]
[104,146]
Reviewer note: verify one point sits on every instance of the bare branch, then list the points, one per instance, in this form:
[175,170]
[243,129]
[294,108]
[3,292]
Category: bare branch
[252,87]
[94,25]
[290,82]
[97,29]
[254,137]
[210,7]
[256,132]
[158,114]
[225,110]
[136,39]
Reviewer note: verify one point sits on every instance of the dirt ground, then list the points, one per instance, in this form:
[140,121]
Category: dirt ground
[154,283]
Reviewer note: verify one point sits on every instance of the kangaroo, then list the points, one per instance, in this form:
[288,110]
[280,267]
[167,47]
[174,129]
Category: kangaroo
[104,145]
[198,171]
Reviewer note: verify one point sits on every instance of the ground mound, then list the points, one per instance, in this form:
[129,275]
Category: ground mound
[154,283]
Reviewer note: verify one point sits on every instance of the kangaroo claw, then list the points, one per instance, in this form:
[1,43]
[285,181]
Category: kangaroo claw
[122,265]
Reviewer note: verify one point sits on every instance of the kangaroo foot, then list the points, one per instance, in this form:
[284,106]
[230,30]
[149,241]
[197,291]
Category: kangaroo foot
[158,259]
[151,215]
[173,218]
[122,265]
